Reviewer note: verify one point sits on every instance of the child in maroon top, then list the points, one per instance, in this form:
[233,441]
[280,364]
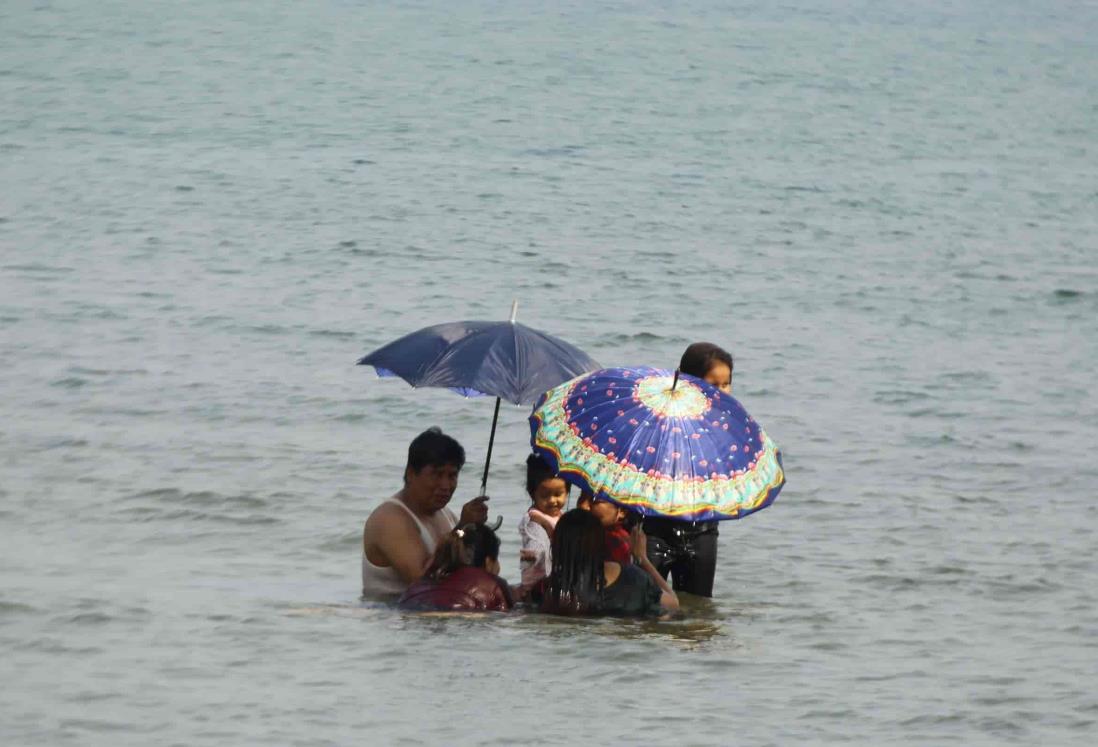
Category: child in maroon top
[462,576]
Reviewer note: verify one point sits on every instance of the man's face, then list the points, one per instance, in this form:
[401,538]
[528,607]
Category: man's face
[433,486]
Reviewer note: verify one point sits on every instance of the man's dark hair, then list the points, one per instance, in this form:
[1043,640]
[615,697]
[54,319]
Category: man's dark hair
[433,448]
[700,357]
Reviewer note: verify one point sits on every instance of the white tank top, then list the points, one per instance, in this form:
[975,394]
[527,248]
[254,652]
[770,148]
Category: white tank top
[384,581]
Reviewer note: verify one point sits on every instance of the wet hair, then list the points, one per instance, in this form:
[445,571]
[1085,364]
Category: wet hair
[433,448]
[471,544]
[698,358]
[537,472]
[576,583]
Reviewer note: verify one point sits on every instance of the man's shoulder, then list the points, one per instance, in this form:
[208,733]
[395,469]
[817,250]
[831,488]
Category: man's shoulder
[388,516]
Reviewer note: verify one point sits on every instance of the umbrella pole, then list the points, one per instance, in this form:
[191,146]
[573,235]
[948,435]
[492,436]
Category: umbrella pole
[495,419]
[488,458]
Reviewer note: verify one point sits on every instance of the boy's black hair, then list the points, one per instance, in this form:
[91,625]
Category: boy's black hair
[698,358]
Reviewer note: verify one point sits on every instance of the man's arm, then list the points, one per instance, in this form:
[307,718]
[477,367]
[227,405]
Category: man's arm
[392,539]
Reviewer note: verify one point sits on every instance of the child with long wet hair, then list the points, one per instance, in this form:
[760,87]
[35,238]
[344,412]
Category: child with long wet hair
[584,582]
[578,577]
[462,575]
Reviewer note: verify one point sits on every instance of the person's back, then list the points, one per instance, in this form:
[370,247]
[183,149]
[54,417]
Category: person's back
[632,593]
[461,576]
[466,589]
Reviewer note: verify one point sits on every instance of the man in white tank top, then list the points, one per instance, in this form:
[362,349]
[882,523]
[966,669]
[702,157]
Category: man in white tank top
[401,534]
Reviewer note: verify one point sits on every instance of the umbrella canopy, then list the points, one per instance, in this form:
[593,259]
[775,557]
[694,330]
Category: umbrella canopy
[501,359]
[506,360]
[660,443]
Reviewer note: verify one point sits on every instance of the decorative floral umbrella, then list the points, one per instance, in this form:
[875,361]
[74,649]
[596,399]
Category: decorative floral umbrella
[659,442]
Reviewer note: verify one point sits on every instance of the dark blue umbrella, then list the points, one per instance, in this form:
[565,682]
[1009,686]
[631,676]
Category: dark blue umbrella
[505,360]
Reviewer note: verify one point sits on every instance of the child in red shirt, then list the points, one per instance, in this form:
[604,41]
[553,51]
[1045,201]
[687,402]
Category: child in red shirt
[620,539]
[619,543]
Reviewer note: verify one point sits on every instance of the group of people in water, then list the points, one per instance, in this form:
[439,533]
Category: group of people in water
[596,559]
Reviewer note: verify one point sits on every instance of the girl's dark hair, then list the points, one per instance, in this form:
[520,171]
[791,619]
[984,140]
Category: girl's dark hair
[472,544]
[537,472]
[577,580]
[700,357]
[434,448]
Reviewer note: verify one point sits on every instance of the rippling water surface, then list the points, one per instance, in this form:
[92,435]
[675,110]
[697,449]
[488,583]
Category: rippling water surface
[209,210]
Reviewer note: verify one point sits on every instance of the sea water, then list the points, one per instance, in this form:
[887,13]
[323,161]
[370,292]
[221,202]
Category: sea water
[208,211]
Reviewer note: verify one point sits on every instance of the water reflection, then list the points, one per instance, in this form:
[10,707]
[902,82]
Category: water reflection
[700,622]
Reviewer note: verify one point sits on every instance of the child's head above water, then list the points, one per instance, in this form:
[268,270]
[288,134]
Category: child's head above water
[607,512]
[548,492]
[709,362]
[471,544]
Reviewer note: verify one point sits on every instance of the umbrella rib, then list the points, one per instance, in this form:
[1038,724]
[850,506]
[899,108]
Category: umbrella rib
[515,348]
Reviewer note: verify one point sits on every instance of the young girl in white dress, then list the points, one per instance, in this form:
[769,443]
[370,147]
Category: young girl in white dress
[548,494]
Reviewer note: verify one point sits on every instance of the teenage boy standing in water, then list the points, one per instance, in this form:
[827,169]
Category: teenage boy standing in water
[401,534]
[688,549]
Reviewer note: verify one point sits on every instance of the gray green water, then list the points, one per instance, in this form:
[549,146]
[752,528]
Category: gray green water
[209,210]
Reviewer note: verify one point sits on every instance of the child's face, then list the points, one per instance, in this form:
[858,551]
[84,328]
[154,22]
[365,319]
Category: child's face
[607,513]
[720,376]
[550,496]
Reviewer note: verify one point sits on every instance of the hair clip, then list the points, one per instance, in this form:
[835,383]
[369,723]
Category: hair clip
[460,533]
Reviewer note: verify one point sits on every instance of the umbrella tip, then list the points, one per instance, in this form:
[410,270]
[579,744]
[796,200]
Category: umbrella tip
[514,309]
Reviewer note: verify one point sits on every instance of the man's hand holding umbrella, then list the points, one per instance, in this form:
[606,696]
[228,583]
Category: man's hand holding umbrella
[474,511]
